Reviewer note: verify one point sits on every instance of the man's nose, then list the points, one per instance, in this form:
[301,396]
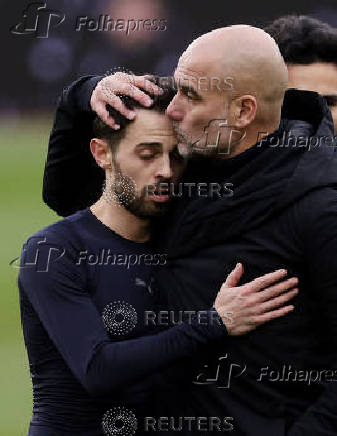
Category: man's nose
[165,168]
[173,110]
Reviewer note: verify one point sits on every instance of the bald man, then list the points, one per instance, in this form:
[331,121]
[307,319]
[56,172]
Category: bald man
[252,60]
[238,125]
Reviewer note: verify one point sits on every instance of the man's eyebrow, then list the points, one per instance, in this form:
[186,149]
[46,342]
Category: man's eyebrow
[149,145]
[188,88]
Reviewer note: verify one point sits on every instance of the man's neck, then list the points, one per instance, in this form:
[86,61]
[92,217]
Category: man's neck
[253,137]
[123,222]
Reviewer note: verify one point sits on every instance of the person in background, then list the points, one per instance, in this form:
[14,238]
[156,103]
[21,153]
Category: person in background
[309,48]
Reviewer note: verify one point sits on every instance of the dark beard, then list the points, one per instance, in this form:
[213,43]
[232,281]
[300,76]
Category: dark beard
[125,192]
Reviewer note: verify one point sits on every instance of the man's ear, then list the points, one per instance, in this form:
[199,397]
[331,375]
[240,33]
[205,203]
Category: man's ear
[244,110]
[101,152]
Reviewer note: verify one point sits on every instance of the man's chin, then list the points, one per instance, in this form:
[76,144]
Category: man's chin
[193,148]
[149,209]
[158,207]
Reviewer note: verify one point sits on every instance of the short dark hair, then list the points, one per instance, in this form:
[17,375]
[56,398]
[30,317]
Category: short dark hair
[160,103]
[304,40]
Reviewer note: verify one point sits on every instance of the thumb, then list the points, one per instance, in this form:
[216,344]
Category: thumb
[234,276]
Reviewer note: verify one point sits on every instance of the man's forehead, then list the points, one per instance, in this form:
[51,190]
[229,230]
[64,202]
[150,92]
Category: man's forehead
[319,77]
[184,74]
[193,68]
[150,125]
[150,119]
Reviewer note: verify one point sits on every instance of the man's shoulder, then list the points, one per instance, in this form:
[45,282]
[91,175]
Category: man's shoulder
[319,200]
[62,232]
[58,241]
[316,214]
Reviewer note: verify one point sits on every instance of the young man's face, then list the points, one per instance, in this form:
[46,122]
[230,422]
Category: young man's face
[148,156]
[319,77]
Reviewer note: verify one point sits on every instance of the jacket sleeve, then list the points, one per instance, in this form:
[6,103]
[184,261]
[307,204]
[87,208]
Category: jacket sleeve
[57,289]
[319,226]
[72,180]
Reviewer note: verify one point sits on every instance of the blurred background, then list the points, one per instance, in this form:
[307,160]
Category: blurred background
[42,53]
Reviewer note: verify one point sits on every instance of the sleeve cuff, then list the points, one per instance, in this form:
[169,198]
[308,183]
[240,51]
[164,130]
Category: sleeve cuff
[210,323]
[84,90]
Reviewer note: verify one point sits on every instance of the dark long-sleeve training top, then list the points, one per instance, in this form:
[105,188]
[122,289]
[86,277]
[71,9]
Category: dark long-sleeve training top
[77,277]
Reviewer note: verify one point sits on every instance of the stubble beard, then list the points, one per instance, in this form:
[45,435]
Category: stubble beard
[122,190]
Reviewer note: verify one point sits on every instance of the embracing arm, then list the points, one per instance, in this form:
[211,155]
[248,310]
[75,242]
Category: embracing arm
[72,179]
[61,300]
[64,305]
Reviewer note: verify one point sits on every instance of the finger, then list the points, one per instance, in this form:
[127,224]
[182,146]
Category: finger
[104,115]
[146,84]
[234,276]
[278,301]
[116,102]
[126,88]
[266,280]
[269,316]
[280,288]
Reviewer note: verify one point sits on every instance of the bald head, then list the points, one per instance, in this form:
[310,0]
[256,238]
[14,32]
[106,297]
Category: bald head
[246,54]
[235,77]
